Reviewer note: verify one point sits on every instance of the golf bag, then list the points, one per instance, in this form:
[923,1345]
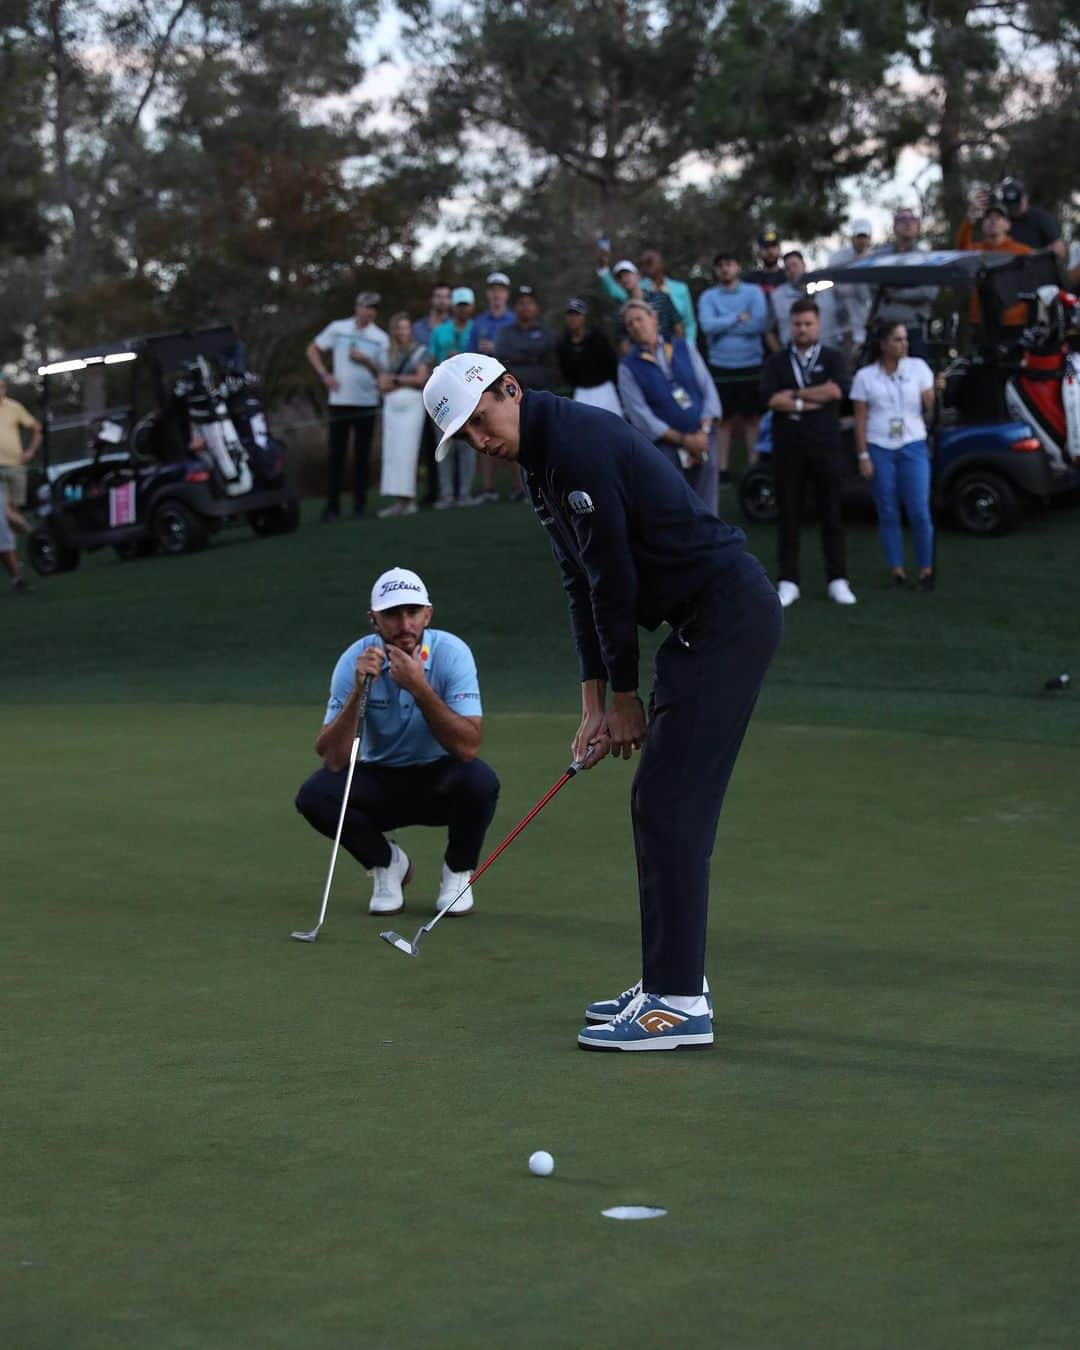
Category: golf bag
[209,414]
[1045,392]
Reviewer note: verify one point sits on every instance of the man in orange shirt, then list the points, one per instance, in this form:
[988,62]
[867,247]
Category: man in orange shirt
[996,226]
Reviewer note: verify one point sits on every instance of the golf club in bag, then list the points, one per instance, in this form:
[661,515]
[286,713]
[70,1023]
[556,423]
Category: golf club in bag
[364,690]
[413,948]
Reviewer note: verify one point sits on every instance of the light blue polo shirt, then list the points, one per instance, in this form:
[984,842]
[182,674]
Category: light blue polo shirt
[395,730]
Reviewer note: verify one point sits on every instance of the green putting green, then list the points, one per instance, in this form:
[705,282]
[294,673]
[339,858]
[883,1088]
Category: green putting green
[216,1137]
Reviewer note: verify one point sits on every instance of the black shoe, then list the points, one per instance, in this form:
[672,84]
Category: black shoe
[899,581]
[329,516]
[926,583]
[21,586]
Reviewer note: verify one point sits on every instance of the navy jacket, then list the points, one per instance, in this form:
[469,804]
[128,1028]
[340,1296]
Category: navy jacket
[634,543]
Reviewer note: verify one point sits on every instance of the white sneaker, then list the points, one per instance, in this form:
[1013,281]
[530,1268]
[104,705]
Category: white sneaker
[388,894]
[388,511]
[409,509]
[788,593]
[469,501]
[444,504]
[840,592]
[451,884]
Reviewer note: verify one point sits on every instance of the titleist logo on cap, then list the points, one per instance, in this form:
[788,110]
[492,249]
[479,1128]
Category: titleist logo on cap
[388,586]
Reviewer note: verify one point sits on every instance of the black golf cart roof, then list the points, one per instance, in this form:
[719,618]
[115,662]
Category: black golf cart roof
[953,268]
[169,350]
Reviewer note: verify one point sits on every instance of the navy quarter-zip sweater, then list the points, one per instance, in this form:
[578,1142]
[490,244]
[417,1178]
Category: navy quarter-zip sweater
[633,542]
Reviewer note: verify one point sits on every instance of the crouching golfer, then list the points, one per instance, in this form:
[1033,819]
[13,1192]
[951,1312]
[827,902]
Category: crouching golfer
[636,546]
[417,764]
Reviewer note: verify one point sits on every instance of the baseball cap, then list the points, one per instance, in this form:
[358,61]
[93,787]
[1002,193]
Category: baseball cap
[399,586]
[1010,191]
[625,266]
[860,226]
[576,306]
[768,236]
[370,299]
[526,290]
[453,391]
[996,204]
[462,295]
[497,279]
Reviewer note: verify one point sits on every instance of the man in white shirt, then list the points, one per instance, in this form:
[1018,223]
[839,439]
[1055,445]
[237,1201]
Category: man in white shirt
[360,352]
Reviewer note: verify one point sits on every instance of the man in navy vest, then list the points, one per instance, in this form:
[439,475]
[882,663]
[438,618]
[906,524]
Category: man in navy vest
[669,395]
[636,547]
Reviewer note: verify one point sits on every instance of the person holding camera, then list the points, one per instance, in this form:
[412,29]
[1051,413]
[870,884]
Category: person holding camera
[991,216]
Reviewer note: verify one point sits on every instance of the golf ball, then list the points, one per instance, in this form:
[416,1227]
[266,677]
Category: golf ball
[541,1164]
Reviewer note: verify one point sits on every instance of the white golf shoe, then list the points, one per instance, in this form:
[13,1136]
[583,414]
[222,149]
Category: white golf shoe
[451,884]
[840,593]
[388,892]
[788,593]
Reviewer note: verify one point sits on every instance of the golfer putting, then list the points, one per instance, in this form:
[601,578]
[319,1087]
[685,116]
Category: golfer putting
[636,547]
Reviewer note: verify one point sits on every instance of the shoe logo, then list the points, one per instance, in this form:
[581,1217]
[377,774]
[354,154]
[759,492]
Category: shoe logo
[656,1021]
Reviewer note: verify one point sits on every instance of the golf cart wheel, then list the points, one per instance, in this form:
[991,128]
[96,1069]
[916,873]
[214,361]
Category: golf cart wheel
[283,519]
[49,554]
[757,495]
[130,549]
[984,503]
[178,529]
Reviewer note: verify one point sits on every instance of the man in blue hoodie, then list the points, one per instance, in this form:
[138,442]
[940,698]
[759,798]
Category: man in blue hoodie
[734,315]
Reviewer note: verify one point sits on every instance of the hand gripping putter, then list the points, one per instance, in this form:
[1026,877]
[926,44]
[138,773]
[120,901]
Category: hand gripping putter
[365,689]
[413,948]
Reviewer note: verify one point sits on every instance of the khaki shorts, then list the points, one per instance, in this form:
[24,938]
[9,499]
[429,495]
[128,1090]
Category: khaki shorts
[13,477]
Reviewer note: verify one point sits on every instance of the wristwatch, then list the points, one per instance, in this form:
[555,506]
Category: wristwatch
[798,403]
[863,454]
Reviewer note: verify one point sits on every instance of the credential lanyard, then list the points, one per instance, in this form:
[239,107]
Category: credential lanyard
[800,367]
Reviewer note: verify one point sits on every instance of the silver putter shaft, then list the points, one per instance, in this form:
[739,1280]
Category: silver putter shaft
[314,932]
[413,948]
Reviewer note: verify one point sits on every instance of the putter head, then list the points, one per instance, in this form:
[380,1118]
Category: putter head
[396,940]
[305,937]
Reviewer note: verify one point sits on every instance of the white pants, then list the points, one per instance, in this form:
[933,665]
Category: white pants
[604,396]
[462,457]
[402,428]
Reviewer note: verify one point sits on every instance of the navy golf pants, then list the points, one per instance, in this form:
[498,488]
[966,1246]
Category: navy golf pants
[709,672]
[460,794]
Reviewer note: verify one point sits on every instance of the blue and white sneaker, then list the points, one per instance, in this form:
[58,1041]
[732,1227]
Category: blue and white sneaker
[607,1009]
[648,1023]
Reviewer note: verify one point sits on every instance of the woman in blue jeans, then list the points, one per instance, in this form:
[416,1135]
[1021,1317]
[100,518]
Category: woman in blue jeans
[892,397]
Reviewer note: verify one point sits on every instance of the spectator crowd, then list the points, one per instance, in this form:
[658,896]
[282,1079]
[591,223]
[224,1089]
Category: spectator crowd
[759,358]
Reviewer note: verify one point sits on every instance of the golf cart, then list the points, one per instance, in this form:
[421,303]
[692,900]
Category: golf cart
[994,449]
[199,457]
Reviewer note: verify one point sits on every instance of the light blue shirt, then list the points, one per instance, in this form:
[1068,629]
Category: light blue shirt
[733,342]
[677,291]
[395,730]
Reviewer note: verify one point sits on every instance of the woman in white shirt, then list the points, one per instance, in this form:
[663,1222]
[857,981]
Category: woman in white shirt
[892,398]
[408,366]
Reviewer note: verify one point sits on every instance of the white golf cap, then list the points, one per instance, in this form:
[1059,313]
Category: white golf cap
[860,226]
[498,279]
[625,266]
[453,391]
[462,295]
[399,586]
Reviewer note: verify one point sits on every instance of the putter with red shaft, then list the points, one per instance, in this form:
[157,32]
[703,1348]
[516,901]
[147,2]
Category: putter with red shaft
[364,690]
[413,948]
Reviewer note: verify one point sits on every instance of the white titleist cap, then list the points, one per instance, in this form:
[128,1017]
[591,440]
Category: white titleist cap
[625,266]
[453,391]
[399,586]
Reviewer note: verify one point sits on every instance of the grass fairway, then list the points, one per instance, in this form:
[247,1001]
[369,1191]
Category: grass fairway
[215,1137]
